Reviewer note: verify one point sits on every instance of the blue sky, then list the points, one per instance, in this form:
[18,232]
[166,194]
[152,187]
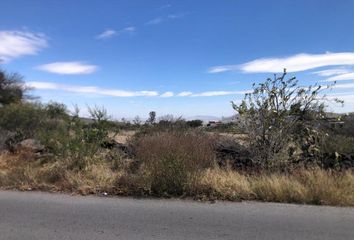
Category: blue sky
[181,57]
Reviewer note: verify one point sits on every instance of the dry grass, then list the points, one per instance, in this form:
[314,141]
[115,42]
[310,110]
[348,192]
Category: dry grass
[223,184]
[174,159]
[123,136]
[30,173]
[314,186]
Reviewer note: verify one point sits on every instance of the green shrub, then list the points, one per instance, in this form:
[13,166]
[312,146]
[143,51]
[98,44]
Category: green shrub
[76,141]
[279,113]
[22,118]
[12,88]
[56,110]
[195,123]
[337,143]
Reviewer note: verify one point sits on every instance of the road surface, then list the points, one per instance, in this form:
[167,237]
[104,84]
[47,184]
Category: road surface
[33,215]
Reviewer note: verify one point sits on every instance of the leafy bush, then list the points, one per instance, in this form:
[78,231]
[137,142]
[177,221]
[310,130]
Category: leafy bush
[28,119]
[22,118]
[337,143]
[12,88]
[173,159]
[279,113]
[56,110]
[347,129]
[195,123]
[76,141]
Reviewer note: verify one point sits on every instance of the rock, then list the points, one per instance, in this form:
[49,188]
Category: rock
[31,145]
[112,144]
[230,152]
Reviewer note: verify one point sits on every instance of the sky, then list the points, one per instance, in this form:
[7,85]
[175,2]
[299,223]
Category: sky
[186,58]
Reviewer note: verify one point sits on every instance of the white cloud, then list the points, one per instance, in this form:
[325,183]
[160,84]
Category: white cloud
[184,94]
[225,68]
[175,16]
[130,29]
[167,94]
[346,97]
[295,63]
[169,17]
[43,85]
[107,34]
[155,21]
[342,77]
[15,44]
[90,90]
[217,93]
[124,93]
[68,68]
[164,7]
[345,85]
[331,72]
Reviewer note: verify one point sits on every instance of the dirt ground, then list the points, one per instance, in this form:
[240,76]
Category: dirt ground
[123,136]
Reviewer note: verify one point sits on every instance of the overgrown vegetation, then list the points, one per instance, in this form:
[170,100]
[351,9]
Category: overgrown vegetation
[282,119]
[173,160]
[289,149]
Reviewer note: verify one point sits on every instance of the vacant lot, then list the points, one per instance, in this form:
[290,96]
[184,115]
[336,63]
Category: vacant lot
[281,147]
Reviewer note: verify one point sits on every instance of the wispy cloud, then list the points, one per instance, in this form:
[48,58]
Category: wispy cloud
[217,93]
[344,85]
[155,21]
[224,68]
[161,19]
[342,77]
[109,33]
[124,93]
[347,97]
[90,90]
[175,16]
[164,7]
[295,63]
[15,44]
[331,72]
[68,68]
[167,94]
[184,94]
[130,29]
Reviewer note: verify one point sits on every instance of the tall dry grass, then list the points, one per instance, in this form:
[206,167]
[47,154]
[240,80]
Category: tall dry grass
[315,186]
[31,173]
[173,160]
[166,169]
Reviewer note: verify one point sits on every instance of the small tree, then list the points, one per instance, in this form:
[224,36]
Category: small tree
[277,114]
[56,110]
[12,88]
[99,129]
[137,121]
[152,117]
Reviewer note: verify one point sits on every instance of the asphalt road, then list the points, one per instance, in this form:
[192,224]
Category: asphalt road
[32,215]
